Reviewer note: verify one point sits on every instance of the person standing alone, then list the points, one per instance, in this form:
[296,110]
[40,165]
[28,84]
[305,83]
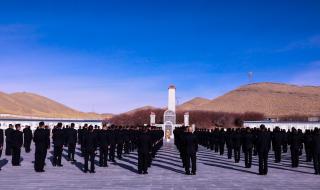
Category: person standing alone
[191,148]
[41,143]
[144,150]
[16,144]
[263,148]
[27,138]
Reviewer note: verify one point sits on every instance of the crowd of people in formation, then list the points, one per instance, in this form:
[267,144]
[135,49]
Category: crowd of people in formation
[259,142]
[112,142]
[15,139]
[109,142]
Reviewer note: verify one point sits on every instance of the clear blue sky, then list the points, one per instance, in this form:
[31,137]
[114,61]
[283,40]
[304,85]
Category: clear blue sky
[112,56]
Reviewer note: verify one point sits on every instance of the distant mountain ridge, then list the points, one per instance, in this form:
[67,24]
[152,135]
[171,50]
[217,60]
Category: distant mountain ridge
[271,99]
[193,103]
[30,104]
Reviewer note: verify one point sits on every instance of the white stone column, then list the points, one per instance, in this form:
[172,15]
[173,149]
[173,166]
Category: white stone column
[186,119]
[152,119]
[172,98]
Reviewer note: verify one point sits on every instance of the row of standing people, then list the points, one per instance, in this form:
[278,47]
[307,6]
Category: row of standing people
[106,140]
[14,140]
[114,141]
[260,141]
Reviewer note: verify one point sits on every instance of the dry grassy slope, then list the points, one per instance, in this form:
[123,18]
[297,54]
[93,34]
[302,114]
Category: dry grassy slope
[193,104]
[272,99]
[8,104]
[30,104]
[139,109]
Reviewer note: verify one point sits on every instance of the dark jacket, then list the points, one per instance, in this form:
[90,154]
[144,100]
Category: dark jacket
[112,137]
[236,139]
[17,139]
[276,140]
[294,140]
[90,141]
[58,137]
[144,143]
[103,138]
[27,134]
[248,139]
[190,143]
[119,136]
[8,133]
[1,137]
[72,136]
[263,141]
[41,139]
[316,144]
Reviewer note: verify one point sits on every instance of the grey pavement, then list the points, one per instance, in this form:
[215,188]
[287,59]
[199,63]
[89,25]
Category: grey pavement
[213,172]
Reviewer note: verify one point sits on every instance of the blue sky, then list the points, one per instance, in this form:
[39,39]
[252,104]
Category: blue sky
[112,56]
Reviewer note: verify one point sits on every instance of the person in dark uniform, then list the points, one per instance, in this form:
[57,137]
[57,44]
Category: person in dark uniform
[79,131]
[58,141]
[294,142]
[16,144]
[120,141]
[183,153]
[83,132]
[126,139]
[255,132]
[308,145]
[90,146]
[284,141]
[300,134]
[316,151]
[222,140]
[216,136]
[65,134]
[263,148]
[211,139]
[27,138]
[112,140]
[236,141]
[191,145]
[72,142]
[229,142]
[48,132]
[103,146]
[247,146]
[41,143]
[276,144]
[8,133]
[1,142]
[144,144]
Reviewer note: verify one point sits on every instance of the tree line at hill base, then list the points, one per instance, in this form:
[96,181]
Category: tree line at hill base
[202,119]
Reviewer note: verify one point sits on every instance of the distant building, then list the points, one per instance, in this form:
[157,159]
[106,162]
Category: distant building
[313,119]
[169,116]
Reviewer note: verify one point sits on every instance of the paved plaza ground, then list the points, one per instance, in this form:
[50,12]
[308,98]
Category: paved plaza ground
[214,172]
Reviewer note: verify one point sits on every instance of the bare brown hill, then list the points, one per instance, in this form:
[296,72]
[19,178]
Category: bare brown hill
[140,109]
[29,104]
[271,99]
[193,104]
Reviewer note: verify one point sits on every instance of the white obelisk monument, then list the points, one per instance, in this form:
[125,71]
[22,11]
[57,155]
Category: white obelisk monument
[172,98]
